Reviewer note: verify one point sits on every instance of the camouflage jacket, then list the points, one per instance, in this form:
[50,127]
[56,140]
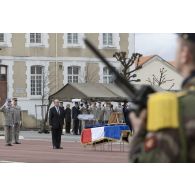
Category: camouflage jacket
[8,113]
[175,144]
[17,114]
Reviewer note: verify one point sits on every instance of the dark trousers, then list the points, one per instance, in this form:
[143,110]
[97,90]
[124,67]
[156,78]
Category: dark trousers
[75,126]
[68,125]
[56,137]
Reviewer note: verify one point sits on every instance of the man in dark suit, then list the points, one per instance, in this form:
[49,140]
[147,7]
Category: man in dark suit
[75,113]
[56,121]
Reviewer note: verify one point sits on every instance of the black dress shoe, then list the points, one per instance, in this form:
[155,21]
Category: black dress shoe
[60,148]
[17,143]
[9,145]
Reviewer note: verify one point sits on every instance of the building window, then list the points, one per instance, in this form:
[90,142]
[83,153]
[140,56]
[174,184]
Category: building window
[35,37]
[107,76]
[72,38]
[36,80]
[37,40]
[73,74]
[2,39]
[5,40]
[107,39]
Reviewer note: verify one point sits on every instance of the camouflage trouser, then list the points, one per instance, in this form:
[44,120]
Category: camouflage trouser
[8,134]
[16,132]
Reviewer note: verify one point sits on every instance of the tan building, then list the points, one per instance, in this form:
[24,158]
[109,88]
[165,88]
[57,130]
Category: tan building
[34,65]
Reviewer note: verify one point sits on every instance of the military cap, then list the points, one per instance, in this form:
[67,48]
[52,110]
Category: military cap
[188,36]
[14,99]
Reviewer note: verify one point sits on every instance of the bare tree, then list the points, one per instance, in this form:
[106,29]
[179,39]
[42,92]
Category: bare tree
[44,100]
[161,80]
[127,63]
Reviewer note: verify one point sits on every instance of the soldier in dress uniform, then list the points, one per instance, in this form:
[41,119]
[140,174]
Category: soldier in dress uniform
[165,132]
[68,118]
[8,112]
[94,110]
[17,120]
[107,112]
[75,113]
[119,110]
[99,113]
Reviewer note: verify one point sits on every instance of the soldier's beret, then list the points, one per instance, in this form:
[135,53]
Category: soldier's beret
[188,36]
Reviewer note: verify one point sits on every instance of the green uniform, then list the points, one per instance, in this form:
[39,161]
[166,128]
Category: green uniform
[170,132]
[17,121]
[8,122]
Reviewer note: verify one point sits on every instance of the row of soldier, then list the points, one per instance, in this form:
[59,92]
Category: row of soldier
[101,112]
[12,123]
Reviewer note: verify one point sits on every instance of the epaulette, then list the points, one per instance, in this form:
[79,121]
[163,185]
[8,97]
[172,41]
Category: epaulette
[162,111]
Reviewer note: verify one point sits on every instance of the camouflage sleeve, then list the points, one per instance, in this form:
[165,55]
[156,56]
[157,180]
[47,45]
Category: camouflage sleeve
[136,145]
[159,147]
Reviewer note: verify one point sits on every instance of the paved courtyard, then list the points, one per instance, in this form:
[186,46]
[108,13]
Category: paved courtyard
[37,148]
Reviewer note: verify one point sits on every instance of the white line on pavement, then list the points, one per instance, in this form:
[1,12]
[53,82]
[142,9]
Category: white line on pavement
[5,161]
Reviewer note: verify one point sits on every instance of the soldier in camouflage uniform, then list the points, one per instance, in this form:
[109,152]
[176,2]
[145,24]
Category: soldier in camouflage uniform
[165,132]
[17,120]
[8,112]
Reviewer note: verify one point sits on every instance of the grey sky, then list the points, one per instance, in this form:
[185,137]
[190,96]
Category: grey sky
[163,44]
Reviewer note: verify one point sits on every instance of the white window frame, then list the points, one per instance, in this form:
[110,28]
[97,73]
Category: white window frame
[72,74]
[108,37]
[29,64]
[35,75]
[80,43]
[79,64]
[72,37]
[44,41]
[117,65]
[35,38]
[115,42]
[7,40]
[108,76]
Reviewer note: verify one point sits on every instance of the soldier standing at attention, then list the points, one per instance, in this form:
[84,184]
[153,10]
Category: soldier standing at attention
[8,112]
[75,113]
[17,120]
[68,118]
[165,132]
[99,113]
[107,112]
